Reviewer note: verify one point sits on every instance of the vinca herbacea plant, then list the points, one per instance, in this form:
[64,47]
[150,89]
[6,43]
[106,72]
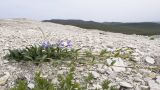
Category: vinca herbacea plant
[45,52]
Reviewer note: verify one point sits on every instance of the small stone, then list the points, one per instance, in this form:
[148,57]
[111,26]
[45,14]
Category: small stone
[138,75]
[110,46]
[137,86]
[110,49]
[158,79]
[137,79]
[95,87]
[31,85]
[118,79]
[109,70]
[55,81]
[119,62]
[153,85]
[84,74]
[135,54]
[60,72]
[132,46]
[126,84]
[3,88]
[63,68]
[150,60]
[4,78]
[5,61]
[146,79]
[103,77]
[80,69]
[137,59]
[119,65]
[6,47]
[95,74]
[102,71]
[100,65]
[119,69]
[138,51]
[144,87]
[145,71]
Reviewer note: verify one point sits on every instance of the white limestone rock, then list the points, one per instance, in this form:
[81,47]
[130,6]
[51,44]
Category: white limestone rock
[61,72]
[158,79]
[126,84]
[153,85]
[143,87]
[55,81]
[95,87]
[137,79]
[95,74]
[150,60]
[31,85]
[119,65]
[4,78]
[137,59]
[100,70]
[135,54]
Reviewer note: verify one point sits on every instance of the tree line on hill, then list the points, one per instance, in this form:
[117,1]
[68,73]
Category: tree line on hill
[141,28]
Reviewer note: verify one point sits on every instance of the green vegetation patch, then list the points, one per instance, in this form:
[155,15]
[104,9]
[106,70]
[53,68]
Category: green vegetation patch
[60,52]
[66,82]
[42,53]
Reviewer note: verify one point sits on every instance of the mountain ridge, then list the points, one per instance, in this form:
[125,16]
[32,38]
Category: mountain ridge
[139,28]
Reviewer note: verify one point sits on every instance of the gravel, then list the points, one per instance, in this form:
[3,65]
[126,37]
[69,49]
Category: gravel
[18,33]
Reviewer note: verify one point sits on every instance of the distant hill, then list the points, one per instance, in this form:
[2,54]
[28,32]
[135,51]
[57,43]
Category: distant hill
[142,28]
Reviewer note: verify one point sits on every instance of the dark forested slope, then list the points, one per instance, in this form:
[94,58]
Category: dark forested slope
[142,28]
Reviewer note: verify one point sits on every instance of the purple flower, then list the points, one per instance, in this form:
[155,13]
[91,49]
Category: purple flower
[60,43]
[46,44]
[69,43]
[63,43]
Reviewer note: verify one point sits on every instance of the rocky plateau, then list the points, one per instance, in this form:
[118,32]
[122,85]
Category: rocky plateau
[18,33]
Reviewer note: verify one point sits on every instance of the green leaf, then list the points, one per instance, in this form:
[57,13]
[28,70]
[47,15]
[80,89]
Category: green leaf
[103,52]
[28,58]
[44,57]
[89,78]
[112,63]
[105,84]
[21,85]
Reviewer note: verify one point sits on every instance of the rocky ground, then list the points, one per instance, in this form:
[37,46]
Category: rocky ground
[18,33]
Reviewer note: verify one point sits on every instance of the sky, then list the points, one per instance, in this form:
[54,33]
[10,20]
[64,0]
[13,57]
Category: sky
[95,10]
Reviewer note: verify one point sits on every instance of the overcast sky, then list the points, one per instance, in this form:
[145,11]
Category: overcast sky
[97,10]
